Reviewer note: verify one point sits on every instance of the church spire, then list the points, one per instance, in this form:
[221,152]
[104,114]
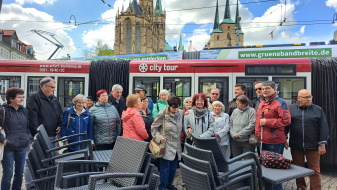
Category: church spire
[237,19]
[216,19]
[227,17]
[181,47]
[159,9]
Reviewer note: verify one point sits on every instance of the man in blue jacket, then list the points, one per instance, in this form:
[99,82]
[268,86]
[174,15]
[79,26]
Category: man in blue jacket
[309,133]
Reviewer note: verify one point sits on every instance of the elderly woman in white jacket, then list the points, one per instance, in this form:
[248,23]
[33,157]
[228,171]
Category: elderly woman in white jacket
[220,127]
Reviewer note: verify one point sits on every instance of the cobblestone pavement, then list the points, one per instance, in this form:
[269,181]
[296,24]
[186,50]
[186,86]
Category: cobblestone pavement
[329,179]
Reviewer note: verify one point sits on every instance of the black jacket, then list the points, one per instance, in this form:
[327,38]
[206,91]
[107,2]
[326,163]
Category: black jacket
[42,110]
[16,127]
[148,120]
[121,106]
[308,128]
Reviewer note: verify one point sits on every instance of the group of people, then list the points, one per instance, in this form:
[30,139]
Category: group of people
[268,119]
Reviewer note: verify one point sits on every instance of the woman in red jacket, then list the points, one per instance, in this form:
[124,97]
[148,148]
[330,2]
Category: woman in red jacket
[133,123]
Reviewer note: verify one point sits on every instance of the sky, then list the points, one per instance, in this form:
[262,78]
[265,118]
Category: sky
[80,24]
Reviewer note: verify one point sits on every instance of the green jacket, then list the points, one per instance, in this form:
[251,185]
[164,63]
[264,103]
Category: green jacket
[158,106]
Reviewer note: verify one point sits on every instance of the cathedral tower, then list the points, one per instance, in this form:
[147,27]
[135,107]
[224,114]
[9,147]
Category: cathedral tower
[140,28]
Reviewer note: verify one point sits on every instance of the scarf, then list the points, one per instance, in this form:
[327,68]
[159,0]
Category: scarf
[199,112]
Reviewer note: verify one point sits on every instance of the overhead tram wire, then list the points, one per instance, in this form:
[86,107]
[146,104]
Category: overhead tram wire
[288,16]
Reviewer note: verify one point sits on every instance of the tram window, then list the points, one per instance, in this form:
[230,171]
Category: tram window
[270,69]
[68,88]
[287,88]
[151,84]
[206,84]
[249,83]
[180,87]
[7,82]
[34,84]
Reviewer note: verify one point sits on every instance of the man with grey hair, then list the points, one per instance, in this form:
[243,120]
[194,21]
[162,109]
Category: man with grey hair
[44,108]
[272,116]
[116,99]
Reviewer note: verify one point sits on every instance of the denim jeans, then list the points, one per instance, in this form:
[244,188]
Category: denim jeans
[167,172]
[10,158]
[278,148]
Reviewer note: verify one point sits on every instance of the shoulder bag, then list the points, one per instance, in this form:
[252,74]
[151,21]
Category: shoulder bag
[158,149]
[2,131]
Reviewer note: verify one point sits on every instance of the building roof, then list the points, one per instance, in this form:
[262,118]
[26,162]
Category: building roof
[8,32]
[168,47]
[135,7]
[158,9]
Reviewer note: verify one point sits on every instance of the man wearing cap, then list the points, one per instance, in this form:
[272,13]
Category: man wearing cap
[140,89]
[116,98]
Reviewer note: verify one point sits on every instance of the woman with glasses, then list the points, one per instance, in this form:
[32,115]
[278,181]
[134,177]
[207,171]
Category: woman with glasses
[15,124]
[146,114]
[199,118]
[133,124]
[106,122]
[242,124]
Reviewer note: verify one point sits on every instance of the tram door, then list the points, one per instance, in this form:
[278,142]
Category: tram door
[206,84]
[209,77]
[249,83]
[288,87]
[7,82]
[152,86]
[178,86]
[68,88]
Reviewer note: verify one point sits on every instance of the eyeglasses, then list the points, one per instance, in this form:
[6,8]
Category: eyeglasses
[52,87]
[306,97]
[256,89]
[268,88]
[20,97]
[216,94]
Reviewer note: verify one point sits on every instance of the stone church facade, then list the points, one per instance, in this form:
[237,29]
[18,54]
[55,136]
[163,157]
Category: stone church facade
[140,28]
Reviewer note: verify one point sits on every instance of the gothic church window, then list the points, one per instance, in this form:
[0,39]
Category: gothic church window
[138,31]
[128,28]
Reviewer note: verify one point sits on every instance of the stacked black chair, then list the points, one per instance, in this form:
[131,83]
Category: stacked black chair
[123,171]
[225,165]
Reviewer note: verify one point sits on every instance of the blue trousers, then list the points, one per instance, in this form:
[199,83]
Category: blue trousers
[278,148]
[10,158]
[167,172]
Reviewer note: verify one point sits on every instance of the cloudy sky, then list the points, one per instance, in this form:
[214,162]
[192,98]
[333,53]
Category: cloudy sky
[305,21]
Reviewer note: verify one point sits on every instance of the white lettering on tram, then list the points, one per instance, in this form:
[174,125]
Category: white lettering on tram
[144,68]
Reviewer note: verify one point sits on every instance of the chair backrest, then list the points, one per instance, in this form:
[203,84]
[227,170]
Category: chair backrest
[34,165]
[154,182]
[205,155]
[42,131]
[200,165]
[127,157]
[194,179]
[212,144]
